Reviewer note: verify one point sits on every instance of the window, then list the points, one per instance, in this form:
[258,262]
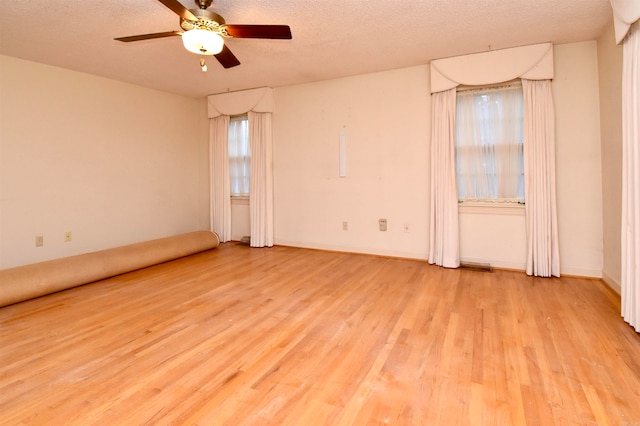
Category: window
[239,156]
[489,139]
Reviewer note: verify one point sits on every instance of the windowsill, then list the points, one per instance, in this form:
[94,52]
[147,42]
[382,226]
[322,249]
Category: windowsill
[510,209]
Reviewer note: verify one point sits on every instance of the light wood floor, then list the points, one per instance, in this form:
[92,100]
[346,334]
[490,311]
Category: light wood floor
[291,336]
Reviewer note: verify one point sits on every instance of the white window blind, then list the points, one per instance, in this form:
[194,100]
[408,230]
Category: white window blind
[239,156]
[489,144]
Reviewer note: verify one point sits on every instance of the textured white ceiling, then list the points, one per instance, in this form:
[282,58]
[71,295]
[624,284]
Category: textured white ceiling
[331,38]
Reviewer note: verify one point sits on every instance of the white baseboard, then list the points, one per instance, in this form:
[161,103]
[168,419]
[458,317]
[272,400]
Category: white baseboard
[580,272]
[351,249]
[615,286]
[516,266]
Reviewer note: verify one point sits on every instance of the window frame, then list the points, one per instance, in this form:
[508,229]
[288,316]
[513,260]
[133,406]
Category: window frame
[499,205]
[233,118]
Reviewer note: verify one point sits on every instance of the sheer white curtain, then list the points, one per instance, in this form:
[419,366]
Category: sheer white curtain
[261,187]
[219,169]
[543,257]
[630,284]
[444,244]
[239,156]
[489,148]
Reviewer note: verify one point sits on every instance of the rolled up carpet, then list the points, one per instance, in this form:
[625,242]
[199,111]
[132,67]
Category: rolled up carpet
[30,281]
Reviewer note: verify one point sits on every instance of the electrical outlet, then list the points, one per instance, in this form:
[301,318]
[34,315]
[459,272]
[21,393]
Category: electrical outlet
[67,237]
[345,226]
[382,224]
[39,240]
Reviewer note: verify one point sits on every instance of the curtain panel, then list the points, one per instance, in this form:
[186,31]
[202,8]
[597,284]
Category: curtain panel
[543,257]
[533,62]
[630,238]
[220,205]
[240,102]
[444,242]
[625,13]
[261,177]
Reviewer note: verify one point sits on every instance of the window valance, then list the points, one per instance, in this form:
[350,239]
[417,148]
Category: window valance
[234,103]
[625,13]
[534,62]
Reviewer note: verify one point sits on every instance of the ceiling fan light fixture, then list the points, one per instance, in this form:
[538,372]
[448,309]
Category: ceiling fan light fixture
[202,42]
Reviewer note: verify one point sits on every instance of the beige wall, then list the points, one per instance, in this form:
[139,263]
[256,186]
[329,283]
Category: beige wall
[494,235]
[115,163]
[578,165]
[240,218]
[111,162]
[610,80]
[386,120]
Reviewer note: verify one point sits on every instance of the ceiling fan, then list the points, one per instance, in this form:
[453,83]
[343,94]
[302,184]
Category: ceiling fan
[205,31]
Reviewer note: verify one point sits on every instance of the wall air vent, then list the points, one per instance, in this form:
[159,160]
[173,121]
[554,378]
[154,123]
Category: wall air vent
[472,266]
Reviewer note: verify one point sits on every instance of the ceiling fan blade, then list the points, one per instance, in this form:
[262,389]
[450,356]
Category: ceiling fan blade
[226,58]
[179,9]
[259,31]
[148,36]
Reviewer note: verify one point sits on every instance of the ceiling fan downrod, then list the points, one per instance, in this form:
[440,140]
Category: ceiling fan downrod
[203,4]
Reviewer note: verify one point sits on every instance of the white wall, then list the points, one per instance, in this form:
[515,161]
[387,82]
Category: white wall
[110,162]
[385,117]
[240,218]
[610,79]
[115,163]
[579,174]
[494,235]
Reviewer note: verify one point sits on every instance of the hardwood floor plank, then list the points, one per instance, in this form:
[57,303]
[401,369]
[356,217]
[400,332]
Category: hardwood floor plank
[291,336]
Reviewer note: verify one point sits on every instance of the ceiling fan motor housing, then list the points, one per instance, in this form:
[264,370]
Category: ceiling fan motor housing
[207,20]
